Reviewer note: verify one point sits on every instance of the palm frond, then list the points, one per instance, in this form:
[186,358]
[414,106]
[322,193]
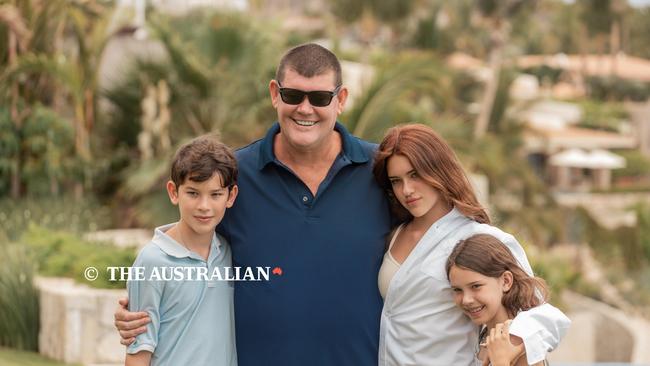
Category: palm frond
[186,62]
[419,76]
[12,18]
[54,66]
[146,176]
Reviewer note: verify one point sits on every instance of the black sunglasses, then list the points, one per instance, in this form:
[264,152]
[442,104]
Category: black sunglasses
[317,98]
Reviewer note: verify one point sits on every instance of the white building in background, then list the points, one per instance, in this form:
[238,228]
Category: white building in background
[525,87]
[553,115]
[133,12]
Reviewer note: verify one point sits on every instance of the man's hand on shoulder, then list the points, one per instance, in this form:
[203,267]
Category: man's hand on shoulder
[128,323]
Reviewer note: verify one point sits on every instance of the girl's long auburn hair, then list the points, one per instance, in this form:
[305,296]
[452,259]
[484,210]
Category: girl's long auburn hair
[435,162]
[488,256]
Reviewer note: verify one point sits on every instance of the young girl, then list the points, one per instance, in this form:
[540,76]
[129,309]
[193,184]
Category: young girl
[437,207]
[491,289]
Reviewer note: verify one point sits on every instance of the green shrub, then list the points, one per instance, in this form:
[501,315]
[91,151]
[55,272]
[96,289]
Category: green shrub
[63,254]
[642,231]
[601,115]
[637,165]
[544,73]
[613,88]
[624,248]
[43,147]
[558,272]
[18,299]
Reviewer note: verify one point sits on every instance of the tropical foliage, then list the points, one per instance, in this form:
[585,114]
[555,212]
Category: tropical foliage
[214,78]
[19,312]
[43,77]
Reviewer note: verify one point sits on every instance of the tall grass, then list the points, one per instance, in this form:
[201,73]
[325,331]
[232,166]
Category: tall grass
[56,213]
[19,303]
[10,357]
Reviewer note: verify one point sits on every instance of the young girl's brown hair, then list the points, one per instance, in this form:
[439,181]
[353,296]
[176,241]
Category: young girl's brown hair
[488,256]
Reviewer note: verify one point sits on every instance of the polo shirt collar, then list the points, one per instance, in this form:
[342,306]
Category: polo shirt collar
[173,248]
[352,148]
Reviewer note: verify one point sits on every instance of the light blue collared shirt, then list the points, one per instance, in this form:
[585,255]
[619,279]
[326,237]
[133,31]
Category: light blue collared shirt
[192,321]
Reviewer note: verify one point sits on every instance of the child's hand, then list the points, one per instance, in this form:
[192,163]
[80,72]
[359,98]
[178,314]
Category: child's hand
[501,351]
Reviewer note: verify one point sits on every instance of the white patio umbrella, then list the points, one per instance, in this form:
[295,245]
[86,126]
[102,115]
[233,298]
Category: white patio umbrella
[574,158]
[603,159]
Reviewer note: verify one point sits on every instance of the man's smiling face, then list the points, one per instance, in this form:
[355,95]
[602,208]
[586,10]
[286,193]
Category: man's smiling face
[303,126]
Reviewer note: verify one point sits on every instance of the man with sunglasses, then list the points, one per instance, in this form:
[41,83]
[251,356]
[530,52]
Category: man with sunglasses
[308,205]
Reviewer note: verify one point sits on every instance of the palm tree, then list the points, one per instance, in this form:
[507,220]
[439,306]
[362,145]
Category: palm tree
[18,39]
[498,14]
[217,68]
[602,19]
[89,25]
[40,71]
[618,10]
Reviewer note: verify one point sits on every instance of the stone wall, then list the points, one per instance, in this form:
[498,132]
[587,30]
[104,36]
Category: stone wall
[601,333]
[76,323]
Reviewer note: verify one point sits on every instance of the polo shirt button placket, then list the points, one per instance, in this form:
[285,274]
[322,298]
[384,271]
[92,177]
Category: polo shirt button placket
[210,282]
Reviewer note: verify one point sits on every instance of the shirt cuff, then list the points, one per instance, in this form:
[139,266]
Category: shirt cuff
[541,330]
[136,347]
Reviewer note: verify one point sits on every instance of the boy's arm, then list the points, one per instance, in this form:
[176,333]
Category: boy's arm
[142,358]
[145,296]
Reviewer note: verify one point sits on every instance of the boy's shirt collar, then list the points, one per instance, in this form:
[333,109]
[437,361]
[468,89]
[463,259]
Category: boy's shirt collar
[175,249]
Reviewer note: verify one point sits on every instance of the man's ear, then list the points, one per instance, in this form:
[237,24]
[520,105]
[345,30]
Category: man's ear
[232,194]
[172,192]
[506,281]
[342,97]
[274,90]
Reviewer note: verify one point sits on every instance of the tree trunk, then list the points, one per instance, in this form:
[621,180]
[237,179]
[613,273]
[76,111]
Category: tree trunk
[499,36]
[81,135]
[615,46]
[13,110]
[89,100]
[584,48]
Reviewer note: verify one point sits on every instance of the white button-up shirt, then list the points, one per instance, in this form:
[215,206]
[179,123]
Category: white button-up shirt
[420,323]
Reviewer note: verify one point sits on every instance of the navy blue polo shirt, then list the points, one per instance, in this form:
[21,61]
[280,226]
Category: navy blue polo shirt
[324,309]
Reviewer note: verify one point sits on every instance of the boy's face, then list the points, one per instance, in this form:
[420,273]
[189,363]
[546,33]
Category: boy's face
[202,204]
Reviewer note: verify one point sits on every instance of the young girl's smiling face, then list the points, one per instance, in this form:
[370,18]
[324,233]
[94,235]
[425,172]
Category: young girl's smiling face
[480,296]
